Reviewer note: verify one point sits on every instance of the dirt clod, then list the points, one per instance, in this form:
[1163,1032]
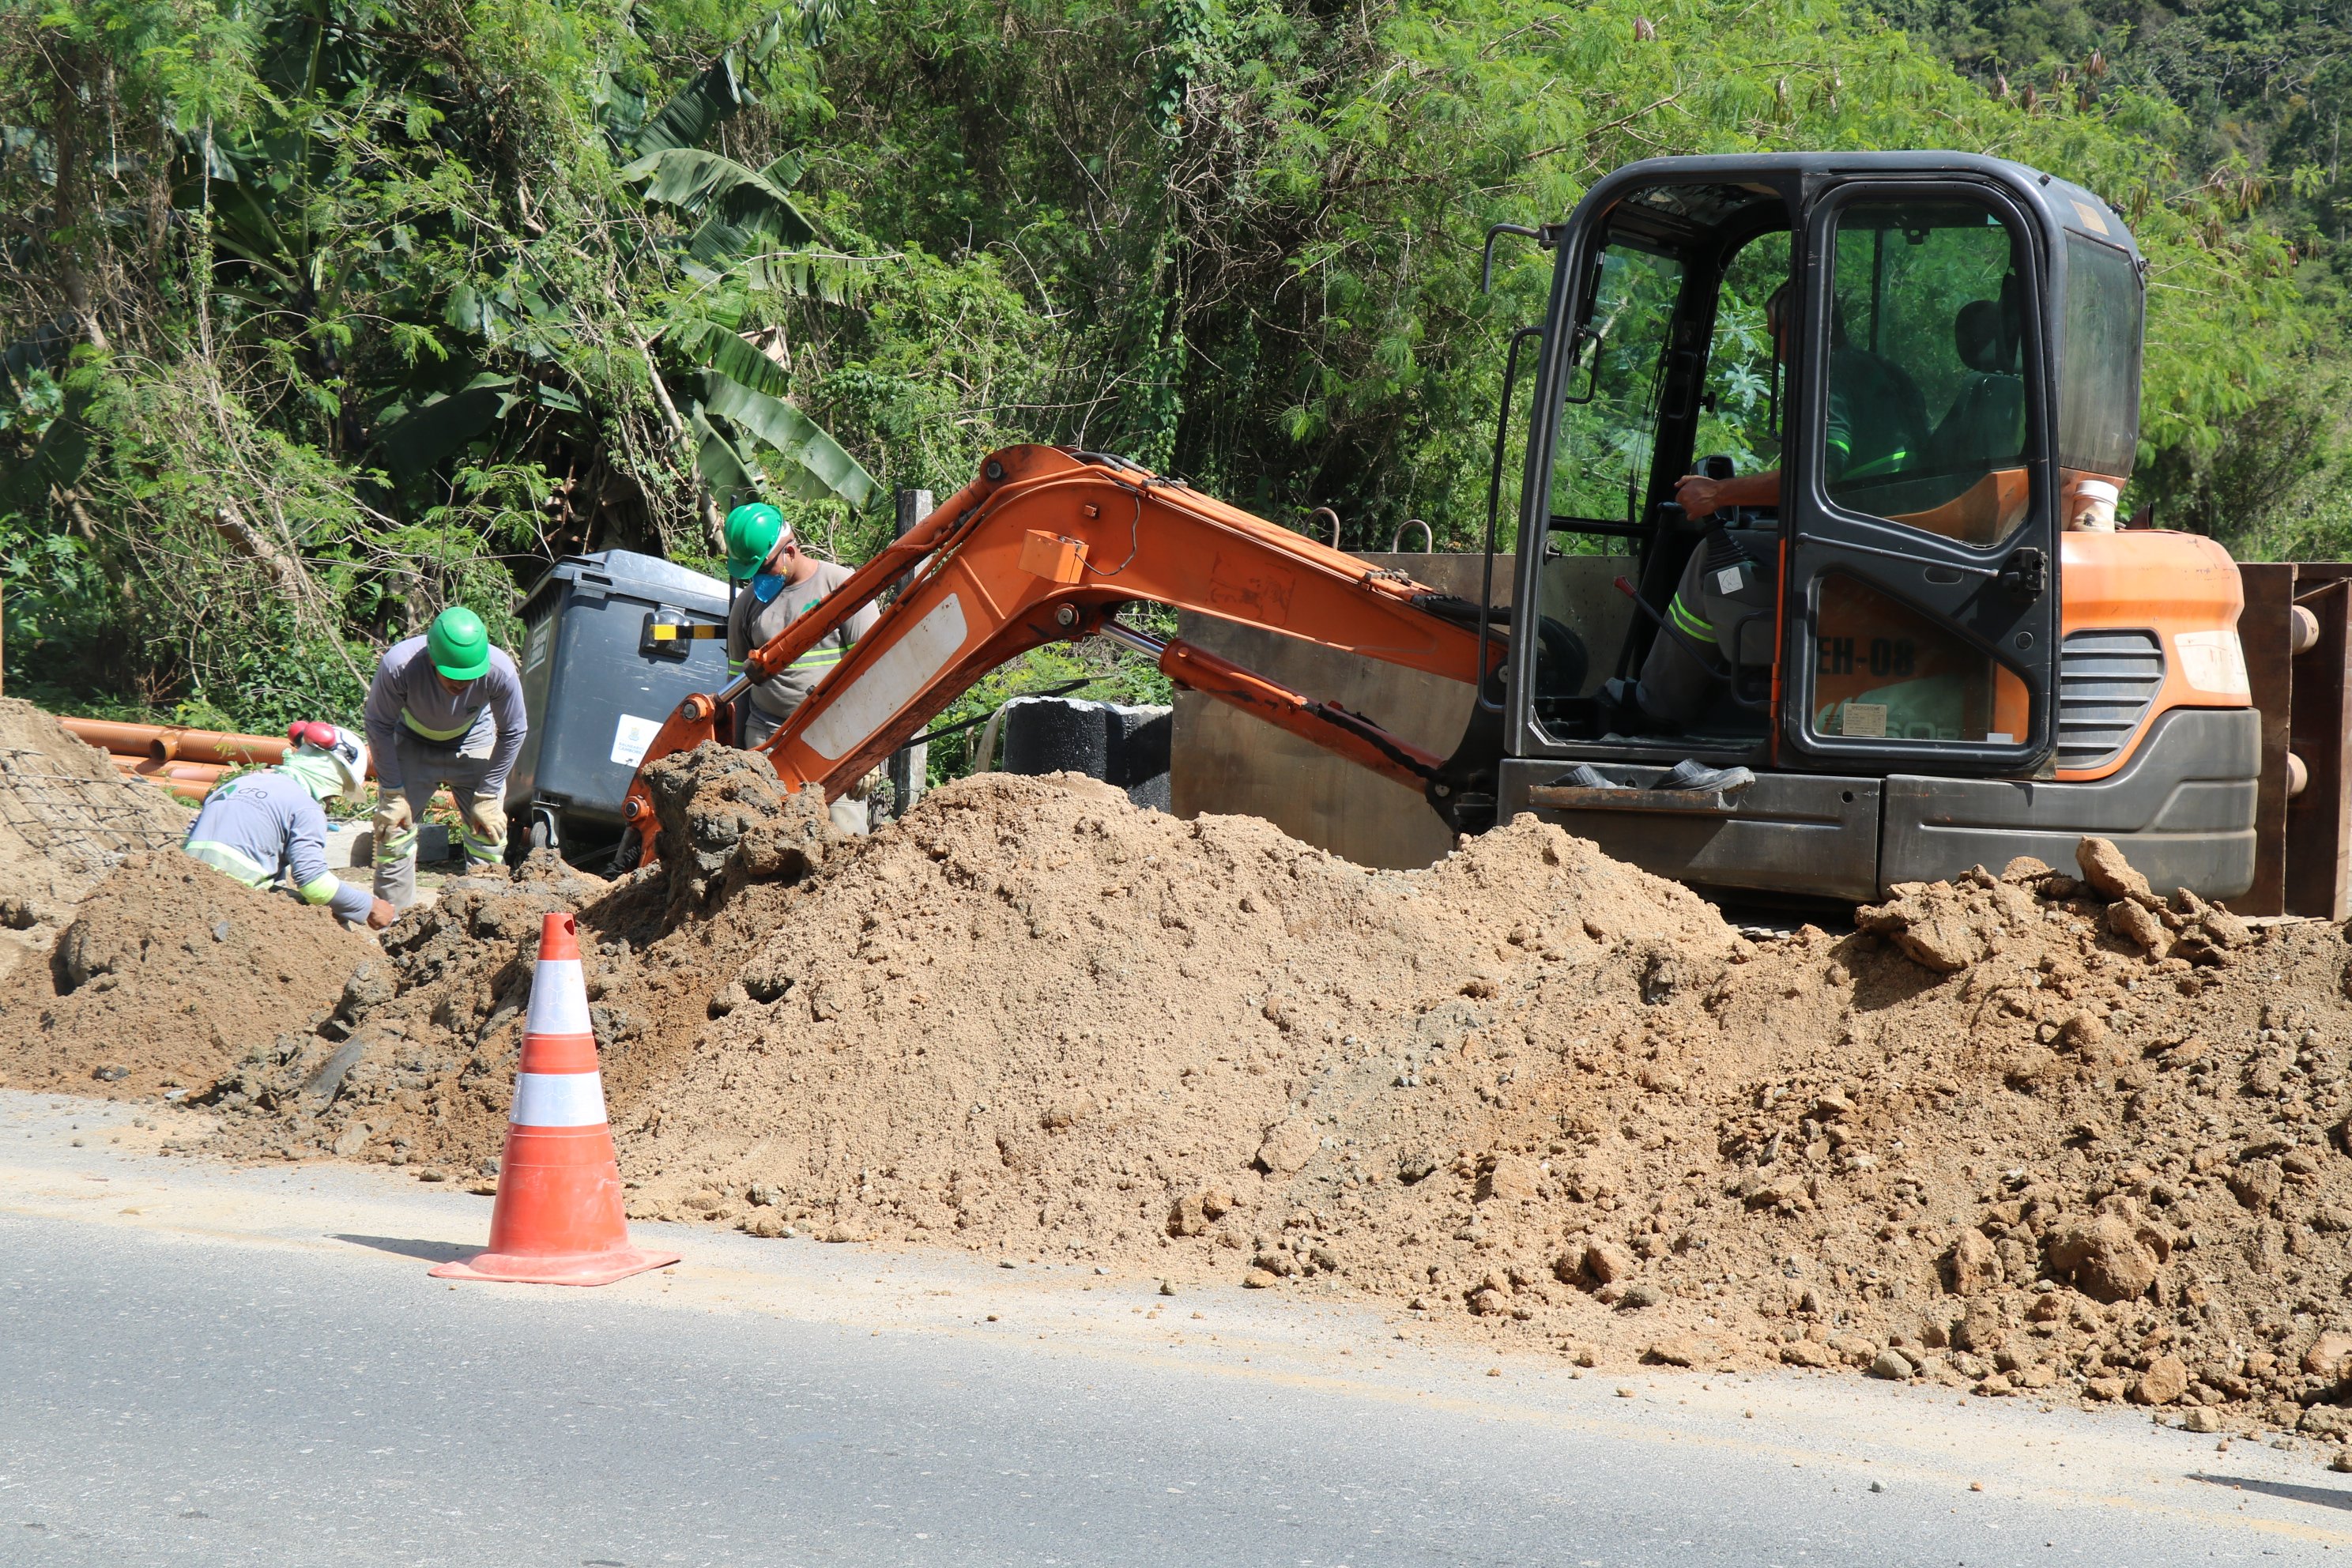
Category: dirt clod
[2107,869]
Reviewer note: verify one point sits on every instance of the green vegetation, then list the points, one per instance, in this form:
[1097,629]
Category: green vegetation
[2243,108]
[318,314]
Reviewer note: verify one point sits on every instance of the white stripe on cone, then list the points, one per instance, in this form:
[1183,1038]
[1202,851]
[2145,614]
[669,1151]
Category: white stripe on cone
[559,998]
[558,1100]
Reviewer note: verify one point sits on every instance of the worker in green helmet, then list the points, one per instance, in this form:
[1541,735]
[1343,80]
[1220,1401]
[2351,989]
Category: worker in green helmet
[445,711]
[779,582]
[751,532]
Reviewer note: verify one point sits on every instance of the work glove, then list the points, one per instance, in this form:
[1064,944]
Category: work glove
[488,814]
[391,814]
[380,914]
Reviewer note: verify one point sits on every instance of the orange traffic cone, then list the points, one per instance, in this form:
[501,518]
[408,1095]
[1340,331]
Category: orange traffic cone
[558,1218]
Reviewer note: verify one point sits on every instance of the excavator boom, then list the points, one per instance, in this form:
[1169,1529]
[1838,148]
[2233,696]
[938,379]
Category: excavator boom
[1046,546]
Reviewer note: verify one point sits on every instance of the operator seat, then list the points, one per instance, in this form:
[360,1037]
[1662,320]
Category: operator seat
[1985,427]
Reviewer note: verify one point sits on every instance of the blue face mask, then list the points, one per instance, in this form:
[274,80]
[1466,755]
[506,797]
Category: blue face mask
[766,585]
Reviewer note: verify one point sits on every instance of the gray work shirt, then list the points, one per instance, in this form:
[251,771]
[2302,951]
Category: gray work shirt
[263,826]
[751,623]
[483,717]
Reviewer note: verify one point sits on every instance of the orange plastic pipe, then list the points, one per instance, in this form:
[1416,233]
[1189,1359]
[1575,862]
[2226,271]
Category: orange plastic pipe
[170,743]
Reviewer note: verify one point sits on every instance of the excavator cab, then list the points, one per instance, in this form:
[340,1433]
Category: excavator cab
[1900,375]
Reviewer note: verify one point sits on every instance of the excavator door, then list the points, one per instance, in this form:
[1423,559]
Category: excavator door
[1922,603]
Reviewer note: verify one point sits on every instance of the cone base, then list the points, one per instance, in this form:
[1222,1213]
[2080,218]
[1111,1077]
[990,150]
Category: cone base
[561,1269]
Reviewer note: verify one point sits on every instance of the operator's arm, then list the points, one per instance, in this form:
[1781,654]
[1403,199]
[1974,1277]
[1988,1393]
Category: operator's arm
[383,724]
[507,709]
[1702,497]
[739,630]
[306,862]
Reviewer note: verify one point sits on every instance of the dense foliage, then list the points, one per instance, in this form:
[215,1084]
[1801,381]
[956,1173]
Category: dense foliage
[320,314]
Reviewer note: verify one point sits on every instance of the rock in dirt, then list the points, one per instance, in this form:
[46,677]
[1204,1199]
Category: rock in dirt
[2166,1380]
[1287,1146]
[2325,1356]
[1681,1350]
[1508,1176]
[2105,868]
[1931,921]
[2136,923]
[1892,1364]
[1606,1263]
[1974,1263]
[2103,1259]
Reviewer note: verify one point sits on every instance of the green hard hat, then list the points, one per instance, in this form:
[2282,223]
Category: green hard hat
[751,532]
[458,644]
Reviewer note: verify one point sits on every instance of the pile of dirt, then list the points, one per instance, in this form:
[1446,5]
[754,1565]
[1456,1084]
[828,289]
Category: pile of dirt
[2027,1132]
[168,974]
[66,818]
[420,1053]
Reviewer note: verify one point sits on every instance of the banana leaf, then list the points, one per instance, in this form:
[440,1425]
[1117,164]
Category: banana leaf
[730,480]
[414,443]
[819,467]
[695,110]
[712,184]
[738,361]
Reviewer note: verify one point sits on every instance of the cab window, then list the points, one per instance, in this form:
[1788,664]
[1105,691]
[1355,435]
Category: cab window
[2098,373]
[1926,416]
[1740,415]
[1609,421]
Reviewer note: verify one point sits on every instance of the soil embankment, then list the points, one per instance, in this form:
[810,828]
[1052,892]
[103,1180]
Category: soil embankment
[2039,1131]
[66,818]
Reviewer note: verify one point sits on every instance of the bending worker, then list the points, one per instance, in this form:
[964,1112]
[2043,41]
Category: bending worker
[785,581]
[262,826]
[445,710]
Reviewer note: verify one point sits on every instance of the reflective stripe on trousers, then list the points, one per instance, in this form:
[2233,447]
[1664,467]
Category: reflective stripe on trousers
[424,768]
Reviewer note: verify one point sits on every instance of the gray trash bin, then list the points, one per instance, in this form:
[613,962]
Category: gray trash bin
[612,643]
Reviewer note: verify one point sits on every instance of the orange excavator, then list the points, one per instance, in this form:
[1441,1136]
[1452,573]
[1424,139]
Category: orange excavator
[1858,420]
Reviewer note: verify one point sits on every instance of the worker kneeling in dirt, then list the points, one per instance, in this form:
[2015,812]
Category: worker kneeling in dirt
[783,583]
[445,710]
[263,827]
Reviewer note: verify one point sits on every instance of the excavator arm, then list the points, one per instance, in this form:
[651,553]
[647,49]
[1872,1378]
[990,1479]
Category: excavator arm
[1046,546]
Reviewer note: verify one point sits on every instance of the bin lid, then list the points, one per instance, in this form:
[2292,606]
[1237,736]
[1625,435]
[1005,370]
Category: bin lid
[648,576]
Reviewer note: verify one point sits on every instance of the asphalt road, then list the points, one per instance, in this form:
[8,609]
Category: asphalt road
[205,1365]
